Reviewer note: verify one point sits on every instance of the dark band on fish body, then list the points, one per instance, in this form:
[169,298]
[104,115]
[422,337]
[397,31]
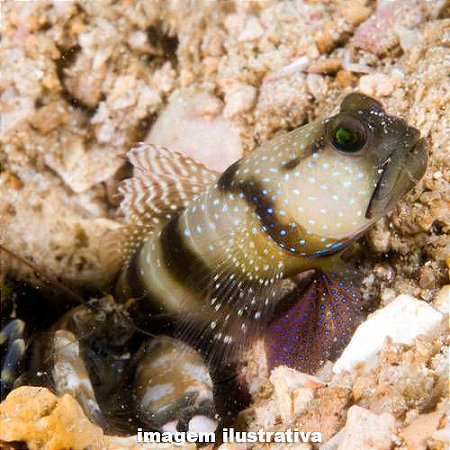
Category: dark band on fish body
[293,163]
[134,280]
[279,228]
[252,190]
[271,222]
[227,179]
[178,256]
[144,308]
[252,195]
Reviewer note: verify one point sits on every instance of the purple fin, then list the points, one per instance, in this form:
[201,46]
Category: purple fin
[315,325]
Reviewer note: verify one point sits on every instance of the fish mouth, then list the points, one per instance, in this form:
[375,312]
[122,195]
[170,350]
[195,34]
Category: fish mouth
[399,173]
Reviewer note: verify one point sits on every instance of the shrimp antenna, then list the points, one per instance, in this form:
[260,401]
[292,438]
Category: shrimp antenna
[44,276]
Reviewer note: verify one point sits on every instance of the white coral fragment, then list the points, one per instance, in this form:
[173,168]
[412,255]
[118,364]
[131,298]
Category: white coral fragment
[363,430]
[402,320]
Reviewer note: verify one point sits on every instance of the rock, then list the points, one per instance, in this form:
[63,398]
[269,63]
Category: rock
[354,13]
[317,85]
[192,124]
[344,78]
[326,66]
[297,66]
[256,372]
[82,168]
[239,100]
[408,39]
[283,101]
[325,412]
[293,391]
[49,117]
[265,414]
[85,88]
[402,320]
[37,417]
[15,109]
[286,446]
[420,430]
[324,42]
[379,33]
[252,30]
[377,84]
[233,446]
[138,40]
[442,436]
[45,422]
[363,430]
[441,302]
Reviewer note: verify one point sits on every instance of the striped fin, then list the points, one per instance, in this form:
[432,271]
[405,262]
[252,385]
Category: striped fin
[164,182]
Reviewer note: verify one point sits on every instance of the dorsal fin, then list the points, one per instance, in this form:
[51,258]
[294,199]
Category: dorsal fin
[164,182]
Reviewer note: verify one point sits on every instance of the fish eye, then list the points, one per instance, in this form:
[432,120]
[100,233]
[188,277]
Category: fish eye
[348,136]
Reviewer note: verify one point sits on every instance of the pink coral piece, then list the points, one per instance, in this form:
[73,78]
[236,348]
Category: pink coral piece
[379,32]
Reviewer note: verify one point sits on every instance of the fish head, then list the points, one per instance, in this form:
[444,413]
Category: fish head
[360,163]
[395,150]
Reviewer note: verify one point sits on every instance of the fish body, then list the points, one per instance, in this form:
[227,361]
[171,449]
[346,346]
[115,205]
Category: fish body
[217,256]
[210,254]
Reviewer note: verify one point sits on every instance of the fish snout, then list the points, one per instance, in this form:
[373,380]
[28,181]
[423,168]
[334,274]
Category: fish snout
[399,173]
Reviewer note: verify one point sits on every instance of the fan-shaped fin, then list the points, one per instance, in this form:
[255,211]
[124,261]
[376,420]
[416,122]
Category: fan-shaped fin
[164,182]
[316,325]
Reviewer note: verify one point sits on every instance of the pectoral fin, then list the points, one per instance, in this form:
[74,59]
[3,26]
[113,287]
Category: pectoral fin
[316,324]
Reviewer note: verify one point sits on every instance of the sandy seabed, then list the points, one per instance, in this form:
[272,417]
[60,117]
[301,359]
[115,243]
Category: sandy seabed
[82,81]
